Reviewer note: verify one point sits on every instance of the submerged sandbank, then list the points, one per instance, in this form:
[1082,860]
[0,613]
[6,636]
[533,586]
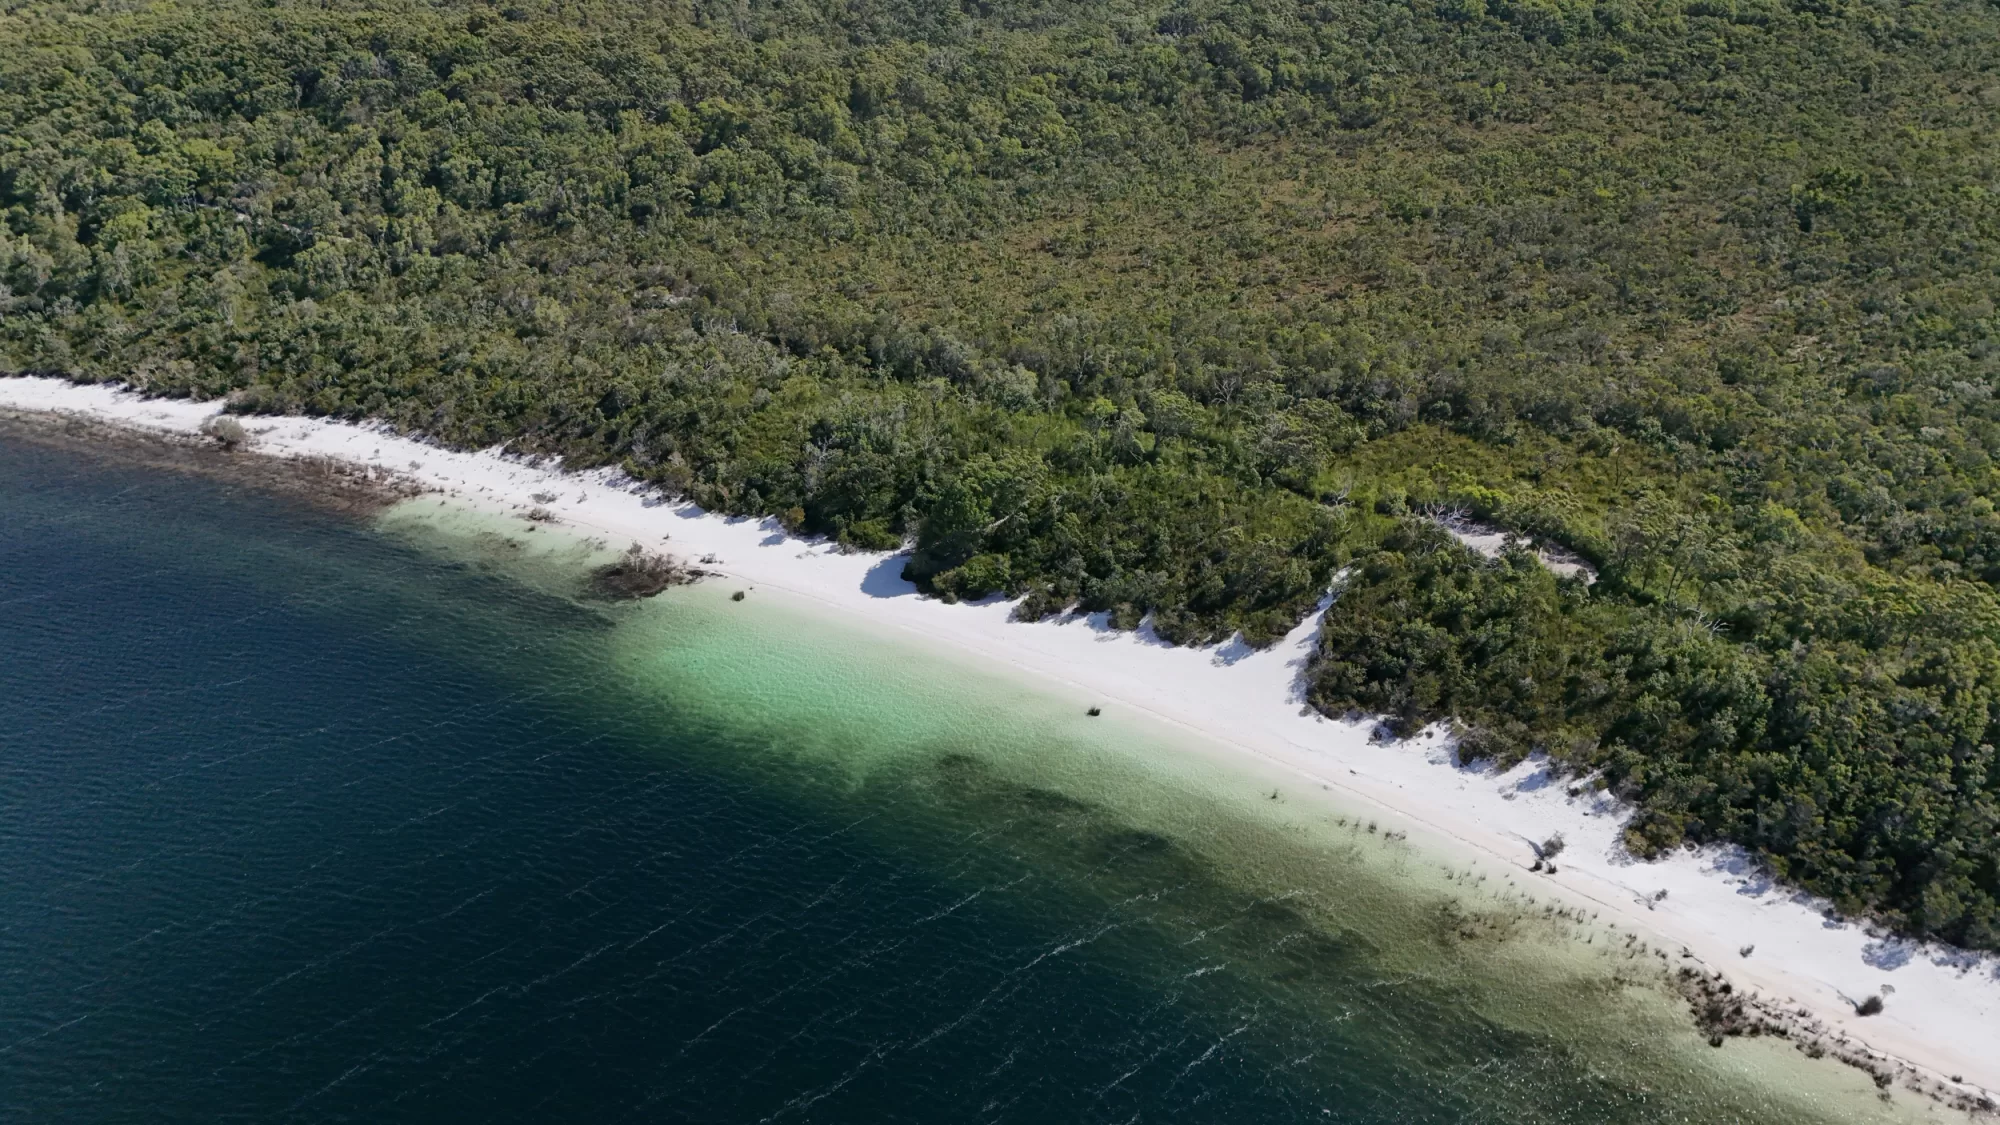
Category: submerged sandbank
[1240,705]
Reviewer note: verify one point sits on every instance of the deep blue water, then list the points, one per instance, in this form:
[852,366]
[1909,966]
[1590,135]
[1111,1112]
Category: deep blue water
[300,823]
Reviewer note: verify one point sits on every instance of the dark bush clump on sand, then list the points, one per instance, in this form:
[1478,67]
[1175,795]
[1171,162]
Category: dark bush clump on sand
[638,575]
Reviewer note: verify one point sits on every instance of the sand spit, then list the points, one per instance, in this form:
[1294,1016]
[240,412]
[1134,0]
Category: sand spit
[1761,959]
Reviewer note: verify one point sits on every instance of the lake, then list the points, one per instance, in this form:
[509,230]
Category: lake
[309,816]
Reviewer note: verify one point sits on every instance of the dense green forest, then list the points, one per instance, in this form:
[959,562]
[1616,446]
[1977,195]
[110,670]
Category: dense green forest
[1181,308]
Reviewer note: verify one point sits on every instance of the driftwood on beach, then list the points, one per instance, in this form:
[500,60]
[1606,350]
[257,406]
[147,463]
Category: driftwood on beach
[639,574]
[1722,1011]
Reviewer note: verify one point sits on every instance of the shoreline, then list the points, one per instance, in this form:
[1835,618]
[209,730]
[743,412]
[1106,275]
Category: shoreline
[324,482]
[1802,974]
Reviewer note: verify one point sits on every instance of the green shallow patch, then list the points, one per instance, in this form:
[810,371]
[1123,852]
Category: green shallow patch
[1354,951]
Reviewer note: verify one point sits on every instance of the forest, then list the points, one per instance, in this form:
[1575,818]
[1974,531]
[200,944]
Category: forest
[1184,310]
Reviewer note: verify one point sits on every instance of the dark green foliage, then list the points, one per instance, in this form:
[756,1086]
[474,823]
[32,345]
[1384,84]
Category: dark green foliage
[1170,308]
[1425,629]
[1859,757]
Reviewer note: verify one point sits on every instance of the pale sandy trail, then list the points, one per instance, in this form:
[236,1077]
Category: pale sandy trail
[1942,1017]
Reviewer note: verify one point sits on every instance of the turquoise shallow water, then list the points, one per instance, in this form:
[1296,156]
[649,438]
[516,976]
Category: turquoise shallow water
[306,819]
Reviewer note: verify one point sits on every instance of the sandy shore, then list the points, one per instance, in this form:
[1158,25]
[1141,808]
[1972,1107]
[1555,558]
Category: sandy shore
[1940,1027]
[323,482]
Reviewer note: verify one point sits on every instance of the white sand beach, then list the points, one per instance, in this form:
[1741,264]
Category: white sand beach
[1942,1006]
